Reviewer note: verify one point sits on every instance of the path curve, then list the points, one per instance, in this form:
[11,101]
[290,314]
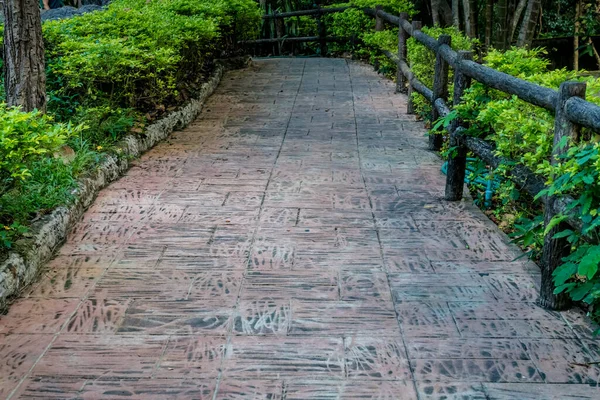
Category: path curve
[291,244]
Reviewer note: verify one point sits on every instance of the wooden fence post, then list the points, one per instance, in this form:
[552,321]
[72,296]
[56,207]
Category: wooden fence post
[378,19]
[440,91]
[410,108]
[457,162]
[279,32]
[402,38]
[555,249]
[322,33]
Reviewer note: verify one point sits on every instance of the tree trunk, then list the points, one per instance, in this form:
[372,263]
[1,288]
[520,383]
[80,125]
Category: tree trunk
[594,51]
[489,22]
[530,21]
[516,18]
[445,13]
[470,11]
[441,13]
[456,13]
[501,25]
[24,64]
[435,11]
[576,36]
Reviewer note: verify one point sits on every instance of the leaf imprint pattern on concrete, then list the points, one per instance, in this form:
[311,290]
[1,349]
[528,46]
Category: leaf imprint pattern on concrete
[293,243]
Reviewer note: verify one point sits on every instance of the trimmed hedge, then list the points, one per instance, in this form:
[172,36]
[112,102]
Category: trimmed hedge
[109,73]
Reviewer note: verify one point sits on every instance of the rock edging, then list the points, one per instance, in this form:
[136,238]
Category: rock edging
[23,263]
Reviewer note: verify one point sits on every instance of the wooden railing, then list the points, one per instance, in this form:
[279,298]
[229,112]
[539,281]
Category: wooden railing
[568,105]
[322,38]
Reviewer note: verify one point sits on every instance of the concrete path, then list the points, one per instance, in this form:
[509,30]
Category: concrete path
[292,244]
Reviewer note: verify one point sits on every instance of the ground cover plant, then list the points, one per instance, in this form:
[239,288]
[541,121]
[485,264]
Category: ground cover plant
[109,73]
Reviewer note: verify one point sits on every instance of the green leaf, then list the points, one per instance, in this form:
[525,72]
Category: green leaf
[588,266]
[563,288]
[579,292]
[563,234]
[585,159]
[563,273]
[554,222]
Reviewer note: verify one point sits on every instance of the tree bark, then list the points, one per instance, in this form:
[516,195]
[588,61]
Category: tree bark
[456,13]
[530,21]
[441,13]
[24,64]
[470,12]
[445,13]
[501,25]
[576,36]
[594,51]
[516,18]
[489,22]
[435,12]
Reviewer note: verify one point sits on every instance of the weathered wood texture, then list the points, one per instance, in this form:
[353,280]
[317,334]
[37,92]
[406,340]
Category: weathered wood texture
[530,92]
[378,19]
[525,179]
[440,91]
[24,62]
[457,162]
[410,108]
[322,33]
[417,85]
[521,175]
[402,56]
[296,40]
[306,12]
[385,17]
[578,110]
[555,249]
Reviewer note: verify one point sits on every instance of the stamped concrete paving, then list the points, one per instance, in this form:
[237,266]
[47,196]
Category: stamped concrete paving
[292,244]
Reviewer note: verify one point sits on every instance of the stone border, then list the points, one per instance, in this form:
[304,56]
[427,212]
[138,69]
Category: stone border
[24,262]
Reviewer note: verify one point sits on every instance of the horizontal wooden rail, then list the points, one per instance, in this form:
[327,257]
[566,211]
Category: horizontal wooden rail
[579,111]
[568,104]
[525,179]
[281,38]
[302,13]
[293,39]
[419,86]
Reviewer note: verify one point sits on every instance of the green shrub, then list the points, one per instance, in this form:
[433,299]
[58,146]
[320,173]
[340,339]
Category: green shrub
[521,131]
[422,62]
[378,41]
[33,176]
[350,23]
[355,23]
[578,174]
[392,6]
[108,74]
[26,138]
[525,133]
[141,54]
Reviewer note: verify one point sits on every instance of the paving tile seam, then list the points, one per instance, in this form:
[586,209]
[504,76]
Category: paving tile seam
[54,338]
[381,251]
[257,225]
[301,249]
